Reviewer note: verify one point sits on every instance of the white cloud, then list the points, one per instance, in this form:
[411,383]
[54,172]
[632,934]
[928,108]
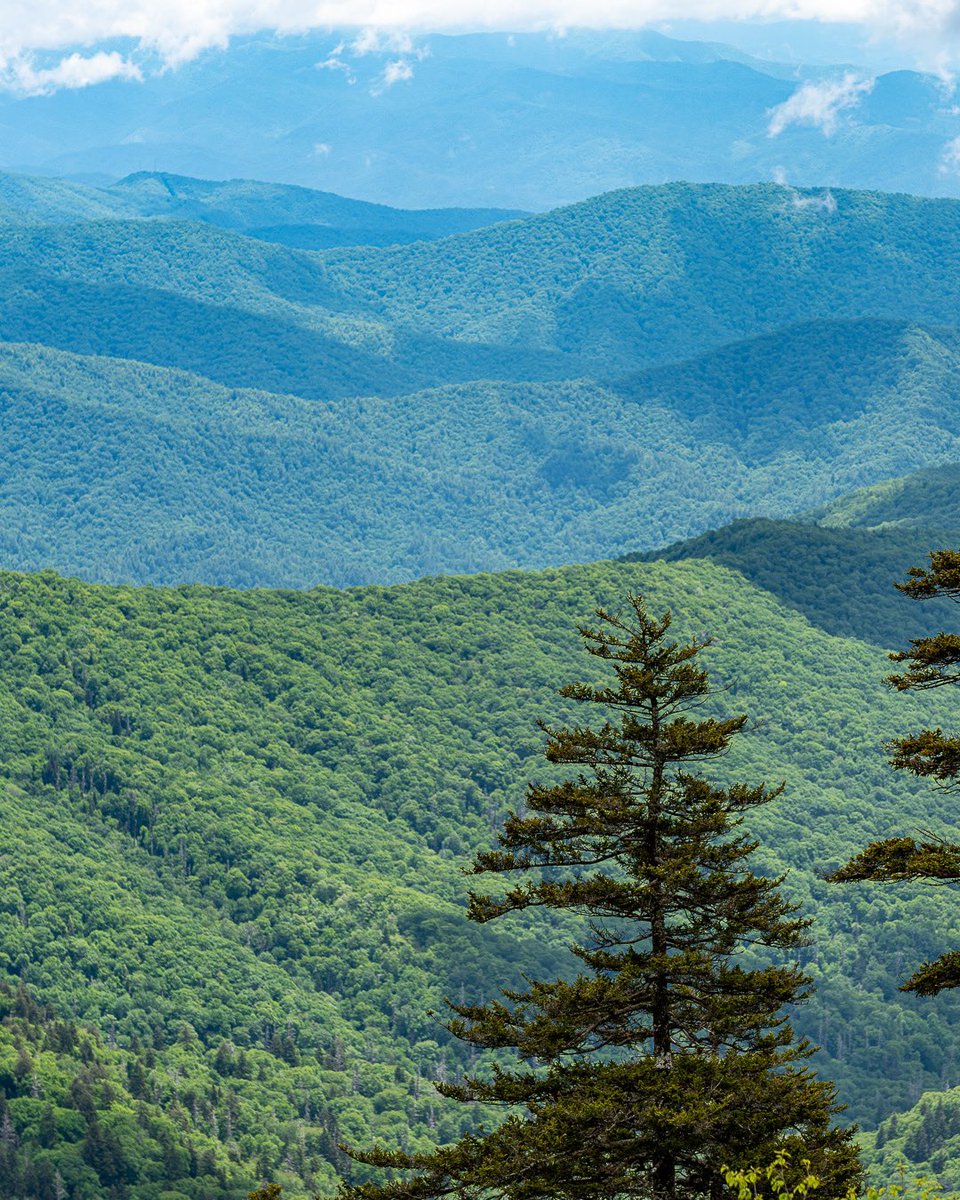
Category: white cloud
[397,71]
[382,41]
[177,30]
[950,158]
[819,104]
[20,74]
[335,63]
[824,202]
[940,65]
[322,149]
[818,201]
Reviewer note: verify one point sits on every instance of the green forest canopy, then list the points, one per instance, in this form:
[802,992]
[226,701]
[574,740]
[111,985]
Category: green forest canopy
[244,813]
[126,472]
[607,377]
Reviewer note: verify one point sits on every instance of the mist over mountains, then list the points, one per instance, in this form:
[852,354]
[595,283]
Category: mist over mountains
[525,121]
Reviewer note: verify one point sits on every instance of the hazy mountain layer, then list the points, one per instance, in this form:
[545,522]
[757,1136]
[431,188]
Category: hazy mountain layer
[293,216]
[116,470]
[508,120]
[237,310]
[651,275]
[605,378]
[612,285]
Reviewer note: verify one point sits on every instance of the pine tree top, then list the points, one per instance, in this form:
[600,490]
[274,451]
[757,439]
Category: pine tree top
[666,1056]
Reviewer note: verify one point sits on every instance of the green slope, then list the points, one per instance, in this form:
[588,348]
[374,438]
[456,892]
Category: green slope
[246,811]
[242,312]
[173,1120]
[818,391]
[655,274]
[837,564]
[32,200]
[928,498]
[120,471]
[840,579]
[272,212]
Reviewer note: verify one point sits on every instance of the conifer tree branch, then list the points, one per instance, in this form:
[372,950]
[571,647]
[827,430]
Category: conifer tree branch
[661,1058]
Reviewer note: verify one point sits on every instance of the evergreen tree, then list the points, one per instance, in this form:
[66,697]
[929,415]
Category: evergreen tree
[930,662]
[47,1132]
[666,1057]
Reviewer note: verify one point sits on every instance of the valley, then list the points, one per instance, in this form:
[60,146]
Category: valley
[182,403]
[303,499]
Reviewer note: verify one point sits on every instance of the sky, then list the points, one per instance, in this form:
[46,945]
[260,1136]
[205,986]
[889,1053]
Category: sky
[50,44]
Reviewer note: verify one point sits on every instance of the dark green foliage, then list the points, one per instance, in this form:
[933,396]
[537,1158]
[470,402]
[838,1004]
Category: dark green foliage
[232,824]
[665,1061]
[900,859]
[810,568]
[941,578]
[928,499]
[929,663]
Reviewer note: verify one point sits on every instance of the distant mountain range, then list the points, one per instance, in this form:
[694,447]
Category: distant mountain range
[180,402]
[271,212]
[511,121]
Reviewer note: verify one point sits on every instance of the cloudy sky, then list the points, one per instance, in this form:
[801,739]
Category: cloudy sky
[72,43]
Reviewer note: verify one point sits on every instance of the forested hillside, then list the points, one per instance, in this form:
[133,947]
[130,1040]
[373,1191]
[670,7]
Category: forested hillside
[239,817]
[271,212]
[495,399]
[840,579]
[844,557]
[655,274]
[239,311]
[118,470]
[930,497]
[925,1140]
